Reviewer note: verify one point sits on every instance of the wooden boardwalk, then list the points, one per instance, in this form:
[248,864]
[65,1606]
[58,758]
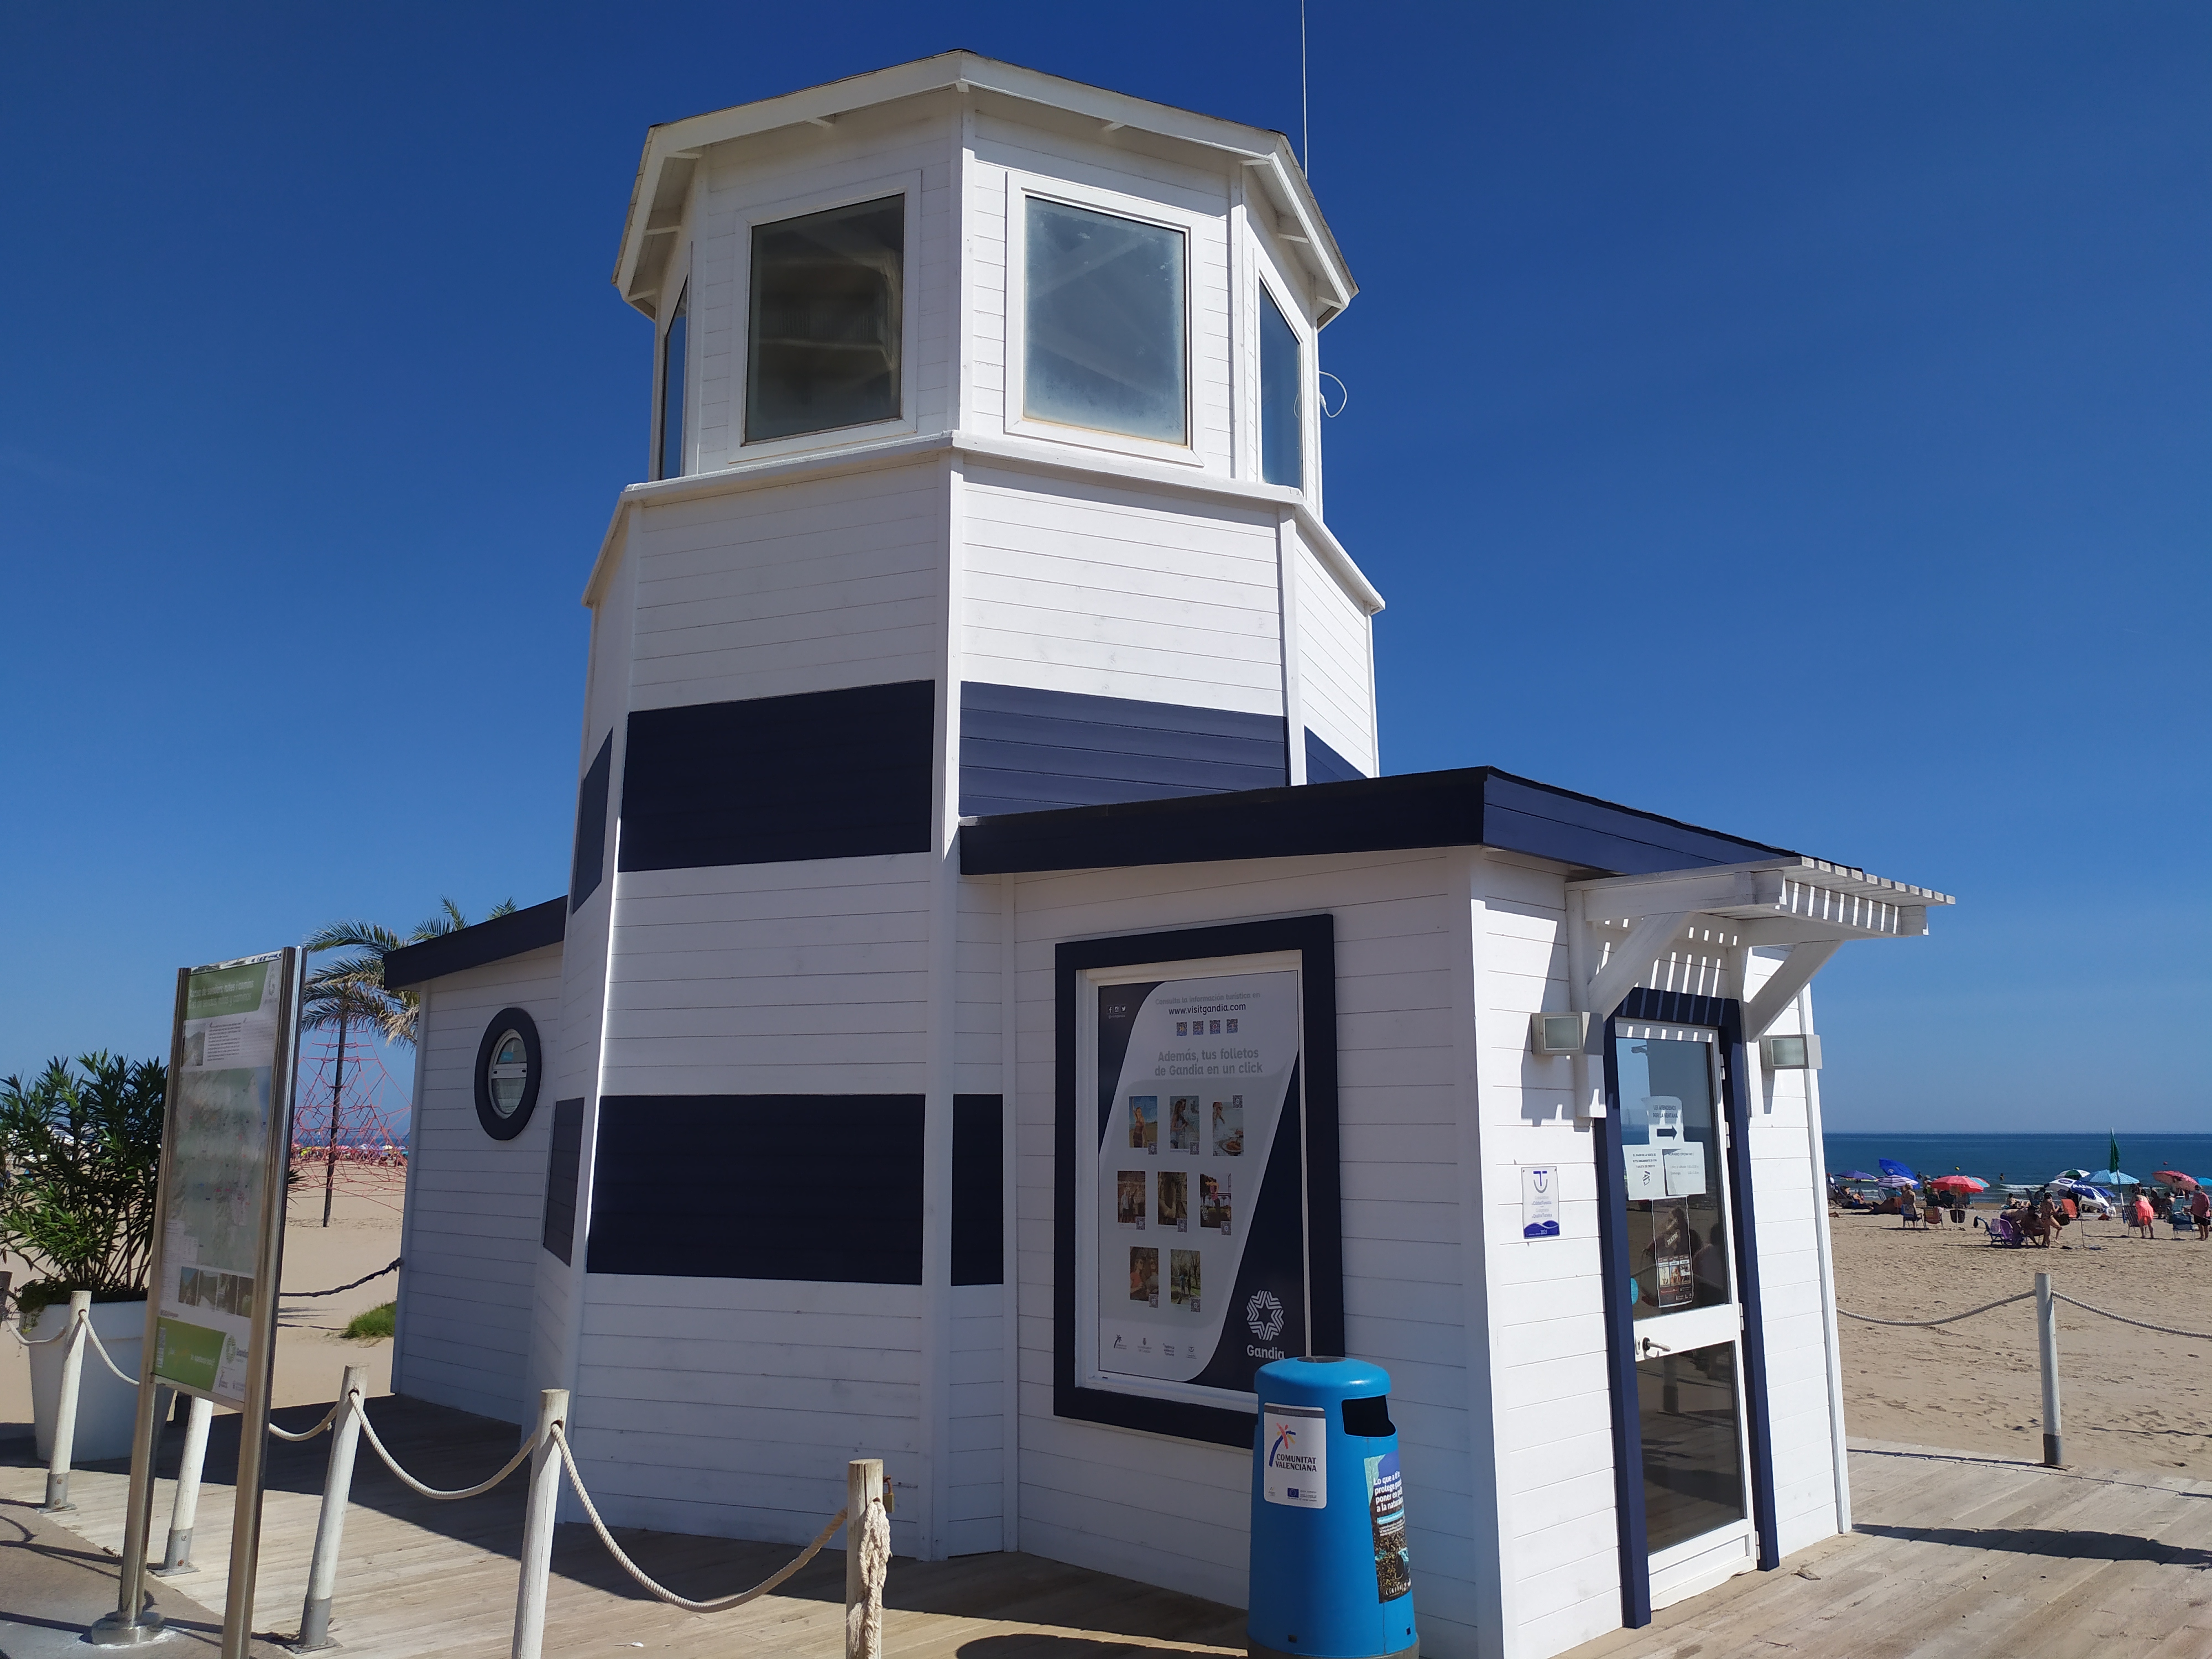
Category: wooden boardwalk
[1954,1556]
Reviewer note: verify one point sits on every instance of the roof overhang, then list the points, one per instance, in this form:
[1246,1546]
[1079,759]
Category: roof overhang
[674,149]
[511,935]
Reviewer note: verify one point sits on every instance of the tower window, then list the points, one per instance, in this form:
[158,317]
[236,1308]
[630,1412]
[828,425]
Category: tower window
[1282,423]
[823,346]
[671,388]
[1103,343]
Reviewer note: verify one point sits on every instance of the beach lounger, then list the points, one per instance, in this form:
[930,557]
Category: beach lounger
[2001,1232]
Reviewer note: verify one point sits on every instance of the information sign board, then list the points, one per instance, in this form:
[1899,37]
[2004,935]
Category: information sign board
[217,1169]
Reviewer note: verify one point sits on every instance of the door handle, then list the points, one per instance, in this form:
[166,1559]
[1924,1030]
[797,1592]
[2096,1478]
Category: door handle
[1652,1347]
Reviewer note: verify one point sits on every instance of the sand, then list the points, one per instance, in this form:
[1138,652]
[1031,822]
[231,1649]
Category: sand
[311,1349]
[2128,1398]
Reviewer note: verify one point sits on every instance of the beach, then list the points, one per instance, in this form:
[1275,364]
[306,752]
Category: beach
[312,1348]
[2128,1398]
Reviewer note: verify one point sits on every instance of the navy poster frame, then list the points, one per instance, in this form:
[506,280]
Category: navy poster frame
[1314,938]
[1725,1015]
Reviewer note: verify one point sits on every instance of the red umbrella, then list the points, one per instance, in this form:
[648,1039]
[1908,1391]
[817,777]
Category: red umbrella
[1967,1182]
[2174,1178]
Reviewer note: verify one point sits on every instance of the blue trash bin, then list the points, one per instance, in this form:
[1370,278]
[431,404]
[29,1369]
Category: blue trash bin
[1330,1578]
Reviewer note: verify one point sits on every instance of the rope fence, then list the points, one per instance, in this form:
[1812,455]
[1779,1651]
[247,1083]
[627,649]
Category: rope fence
[455,1495]
[661,1592]
[336,1290]
[2046,1331]
[2140,1324]
[1948,1319]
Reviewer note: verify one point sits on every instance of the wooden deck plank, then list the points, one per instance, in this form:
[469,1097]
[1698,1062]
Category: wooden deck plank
[1954,1557]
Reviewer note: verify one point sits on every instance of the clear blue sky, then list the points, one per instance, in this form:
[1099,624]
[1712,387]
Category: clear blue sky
[1789,418]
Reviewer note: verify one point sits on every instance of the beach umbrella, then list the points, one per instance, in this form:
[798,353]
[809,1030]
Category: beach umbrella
[1894,1182]
[2112,1178]
[1890,1166]
[1964,1183]
[1856,1174]
[2174,1178]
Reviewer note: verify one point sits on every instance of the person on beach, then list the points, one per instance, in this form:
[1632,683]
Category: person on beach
[2201,1207]
[2146,1215]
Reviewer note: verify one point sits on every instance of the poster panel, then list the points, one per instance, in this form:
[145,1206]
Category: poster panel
[1196,1193]
[216,1171]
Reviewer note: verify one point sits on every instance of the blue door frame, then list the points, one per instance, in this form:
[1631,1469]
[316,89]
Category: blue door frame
[1725,1015]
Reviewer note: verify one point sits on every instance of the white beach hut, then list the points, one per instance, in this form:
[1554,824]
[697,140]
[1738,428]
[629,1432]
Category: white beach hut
[998,1005]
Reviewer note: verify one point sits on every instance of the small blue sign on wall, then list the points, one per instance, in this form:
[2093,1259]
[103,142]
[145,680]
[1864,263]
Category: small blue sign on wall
[1540,1201]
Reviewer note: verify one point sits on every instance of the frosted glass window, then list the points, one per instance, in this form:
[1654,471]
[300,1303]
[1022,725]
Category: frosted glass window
[1282,425]
[825,325]
[671,388]
[1104,333]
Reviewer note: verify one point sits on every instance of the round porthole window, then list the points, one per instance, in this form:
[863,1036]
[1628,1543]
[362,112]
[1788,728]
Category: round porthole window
[508,1067]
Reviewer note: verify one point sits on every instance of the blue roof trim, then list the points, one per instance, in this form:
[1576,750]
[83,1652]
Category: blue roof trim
[1479,806]
[495,941]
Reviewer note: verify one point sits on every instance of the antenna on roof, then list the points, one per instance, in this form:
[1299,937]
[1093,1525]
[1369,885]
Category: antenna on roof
[1305,120]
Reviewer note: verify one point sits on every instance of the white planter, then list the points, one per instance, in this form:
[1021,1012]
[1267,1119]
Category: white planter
[106,1410]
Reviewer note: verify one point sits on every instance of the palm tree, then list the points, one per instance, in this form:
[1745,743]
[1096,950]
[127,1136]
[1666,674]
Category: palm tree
[350,993]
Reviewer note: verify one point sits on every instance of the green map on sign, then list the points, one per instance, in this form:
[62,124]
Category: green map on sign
[222,1120]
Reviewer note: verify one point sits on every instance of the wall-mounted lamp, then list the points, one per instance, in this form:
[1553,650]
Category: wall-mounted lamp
[1557,1034]
[1790,1054]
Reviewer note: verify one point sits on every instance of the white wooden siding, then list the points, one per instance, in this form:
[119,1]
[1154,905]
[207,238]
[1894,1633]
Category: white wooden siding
[1064,151]
[802,586]
[803,169]
[1119,593]
[809,977]
[1551,1387]
[1336,641]
[559,1285]
[730,1407]
[1790,1206]
[476,1205]
[974,1476]
[1176,1514]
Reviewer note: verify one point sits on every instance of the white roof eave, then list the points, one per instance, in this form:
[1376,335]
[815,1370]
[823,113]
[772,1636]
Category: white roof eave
[1268,153]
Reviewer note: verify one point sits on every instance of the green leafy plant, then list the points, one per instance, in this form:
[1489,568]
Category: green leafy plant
[80,1159]
[379,1322]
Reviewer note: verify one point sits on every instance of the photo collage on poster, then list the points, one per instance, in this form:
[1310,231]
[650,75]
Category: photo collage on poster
[1201,1094]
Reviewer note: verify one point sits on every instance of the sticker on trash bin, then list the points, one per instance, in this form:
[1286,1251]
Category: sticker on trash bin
[1296,1457]
[1386,1509]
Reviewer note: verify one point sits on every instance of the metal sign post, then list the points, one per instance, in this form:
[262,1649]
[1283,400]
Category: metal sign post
[218,1253]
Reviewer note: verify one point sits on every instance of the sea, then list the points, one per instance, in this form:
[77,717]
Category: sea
[2018,1159]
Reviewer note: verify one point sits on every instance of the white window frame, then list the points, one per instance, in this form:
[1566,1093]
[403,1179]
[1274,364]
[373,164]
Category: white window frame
[908,187]
[1020,188]
[679,268]
[1268,285]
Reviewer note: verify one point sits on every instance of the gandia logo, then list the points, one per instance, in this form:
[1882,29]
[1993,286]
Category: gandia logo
[1264,1315]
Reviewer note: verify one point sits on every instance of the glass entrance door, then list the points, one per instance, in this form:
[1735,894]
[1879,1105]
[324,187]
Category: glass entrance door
[1685,1318]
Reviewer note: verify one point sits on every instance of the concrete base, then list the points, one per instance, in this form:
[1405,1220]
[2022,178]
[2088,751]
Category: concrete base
[55,1587]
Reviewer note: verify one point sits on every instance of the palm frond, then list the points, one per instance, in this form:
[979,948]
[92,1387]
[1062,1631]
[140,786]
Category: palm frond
[506,907]
[353,936]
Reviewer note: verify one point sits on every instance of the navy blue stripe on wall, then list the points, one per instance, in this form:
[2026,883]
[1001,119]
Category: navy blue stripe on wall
[589,863]
[822,775]
[810,1186]
[561,1170]
[978,1202]
[1024,750]
[1325,765]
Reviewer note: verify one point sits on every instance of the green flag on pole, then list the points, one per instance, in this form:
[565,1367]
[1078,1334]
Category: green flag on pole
[2111,1151]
